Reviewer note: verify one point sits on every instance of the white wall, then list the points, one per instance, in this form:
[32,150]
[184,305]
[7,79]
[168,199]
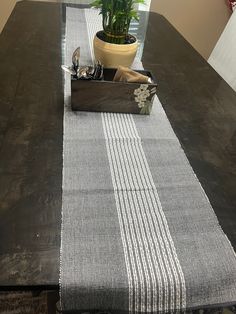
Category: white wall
[223,57]
[201,22]
[6,7]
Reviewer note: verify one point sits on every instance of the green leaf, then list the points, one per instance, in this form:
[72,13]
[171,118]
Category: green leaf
[117,15]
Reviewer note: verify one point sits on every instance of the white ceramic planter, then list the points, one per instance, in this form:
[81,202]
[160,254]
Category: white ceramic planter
[113,55]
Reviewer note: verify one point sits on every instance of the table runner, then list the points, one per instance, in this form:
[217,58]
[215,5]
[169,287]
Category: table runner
[138,232]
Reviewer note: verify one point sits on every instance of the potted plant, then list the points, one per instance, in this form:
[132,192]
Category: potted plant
[113,45]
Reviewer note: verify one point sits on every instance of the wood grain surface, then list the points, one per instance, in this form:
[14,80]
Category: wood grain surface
[26,302]
[198,103]
[31,113]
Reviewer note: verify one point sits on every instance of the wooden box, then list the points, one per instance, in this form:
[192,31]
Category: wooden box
[108,96]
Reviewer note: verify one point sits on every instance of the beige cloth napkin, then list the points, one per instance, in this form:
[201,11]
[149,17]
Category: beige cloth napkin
[124,74]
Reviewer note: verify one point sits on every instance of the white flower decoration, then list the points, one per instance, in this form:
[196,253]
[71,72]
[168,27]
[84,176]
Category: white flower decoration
[141,93]
[137,91]
[145,93]
[144,86]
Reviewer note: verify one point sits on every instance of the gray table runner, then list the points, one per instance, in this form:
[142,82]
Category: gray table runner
[138,232]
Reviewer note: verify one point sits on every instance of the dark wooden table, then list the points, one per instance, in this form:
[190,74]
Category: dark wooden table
[199,104]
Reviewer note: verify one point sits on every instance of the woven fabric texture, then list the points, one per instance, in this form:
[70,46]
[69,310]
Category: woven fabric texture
[138,232]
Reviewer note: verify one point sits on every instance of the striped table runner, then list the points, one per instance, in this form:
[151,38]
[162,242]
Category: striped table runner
[138,232]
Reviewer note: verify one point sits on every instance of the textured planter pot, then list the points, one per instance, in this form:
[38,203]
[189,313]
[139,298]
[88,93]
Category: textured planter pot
[113,55]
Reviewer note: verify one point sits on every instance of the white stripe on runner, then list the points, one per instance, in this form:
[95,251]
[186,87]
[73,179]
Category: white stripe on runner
[148,173]
[156,255]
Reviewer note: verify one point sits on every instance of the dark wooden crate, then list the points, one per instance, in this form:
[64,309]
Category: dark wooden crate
[109,96]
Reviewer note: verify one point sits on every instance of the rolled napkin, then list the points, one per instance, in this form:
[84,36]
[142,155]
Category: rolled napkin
[124,74]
